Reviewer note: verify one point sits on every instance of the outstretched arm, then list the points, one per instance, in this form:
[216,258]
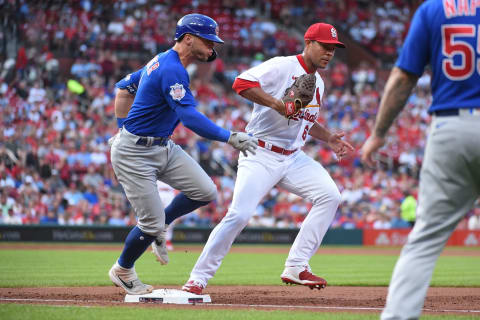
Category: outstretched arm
[397,90]
[334,140]
[201,125]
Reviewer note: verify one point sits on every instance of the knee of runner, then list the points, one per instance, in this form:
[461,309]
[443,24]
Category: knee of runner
[153,228]
[210,194]
[207,193]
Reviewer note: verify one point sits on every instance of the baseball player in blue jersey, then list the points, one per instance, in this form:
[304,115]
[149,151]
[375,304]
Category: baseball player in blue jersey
[124,97]
[142,152]
[446,35]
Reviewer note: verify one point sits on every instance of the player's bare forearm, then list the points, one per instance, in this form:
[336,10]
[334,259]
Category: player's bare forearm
[259,96]
[320,132]
[397,90]
[123,103]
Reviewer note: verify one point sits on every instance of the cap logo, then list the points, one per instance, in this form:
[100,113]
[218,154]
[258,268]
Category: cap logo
[334,33]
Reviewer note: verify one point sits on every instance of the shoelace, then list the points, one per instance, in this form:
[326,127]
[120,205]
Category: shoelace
[307,267]
[137,282]
[195,284]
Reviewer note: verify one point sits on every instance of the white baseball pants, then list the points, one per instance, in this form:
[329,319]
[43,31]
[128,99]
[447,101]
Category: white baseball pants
[257,175]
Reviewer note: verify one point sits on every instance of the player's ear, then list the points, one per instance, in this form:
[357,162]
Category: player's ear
[188,38]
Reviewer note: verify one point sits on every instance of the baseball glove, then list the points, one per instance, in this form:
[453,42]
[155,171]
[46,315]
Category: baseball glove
[299,94]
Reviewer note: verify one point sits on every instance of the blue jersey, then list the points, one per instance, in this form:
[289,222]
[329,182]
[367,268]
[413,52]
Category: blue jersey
[163,99]
[130,82]
[446,35]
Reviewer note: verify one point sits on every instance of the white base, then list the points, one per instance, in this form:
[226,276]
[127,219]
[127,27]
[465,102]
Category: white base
[168,296]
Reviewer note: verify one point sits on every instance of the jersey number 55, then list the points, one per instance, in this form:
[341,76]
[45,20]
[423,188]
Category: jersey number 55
[452,46]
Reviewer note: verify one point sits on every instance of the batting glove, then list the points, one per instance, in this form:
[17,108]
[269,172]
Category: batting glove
[243,142]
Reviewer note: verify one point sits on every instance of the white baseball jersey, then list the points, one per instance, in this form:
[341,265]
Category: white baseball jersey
[258,173]
[274,77]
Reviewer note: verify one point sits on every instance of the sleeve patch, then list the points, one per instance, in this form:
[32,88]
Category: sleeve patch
[177,91]
[152,67]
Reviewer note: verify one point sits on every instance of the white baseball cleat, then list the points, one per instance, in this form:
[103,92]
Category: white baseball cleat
[128,280]
[159,247]
[302,275]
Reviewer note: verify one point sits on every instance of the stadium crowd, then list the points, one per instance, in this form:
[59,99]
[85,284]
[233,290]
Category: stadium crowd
[57,98]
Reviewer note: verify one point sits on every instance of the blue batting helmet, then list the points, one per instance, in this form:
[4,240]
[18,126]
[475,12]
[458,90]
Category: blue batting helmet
[199,25]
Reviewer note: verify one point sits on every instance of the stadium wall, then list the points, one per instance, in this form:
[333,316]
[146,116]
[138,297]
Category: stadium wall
[51,233]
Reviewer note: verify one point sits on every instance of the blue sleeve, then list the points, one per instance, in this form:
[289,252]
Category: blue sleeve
[201,125]
[130,82]
[176,87]
[414,55]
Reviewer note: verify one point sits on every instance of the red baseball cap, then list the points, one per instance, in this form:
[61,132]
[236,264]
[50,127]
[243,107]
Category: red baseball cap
[324,33]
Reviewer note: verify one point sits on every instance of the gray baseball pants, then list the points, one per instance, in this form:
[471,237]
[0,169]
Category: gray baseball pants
[138,167]
[449,186]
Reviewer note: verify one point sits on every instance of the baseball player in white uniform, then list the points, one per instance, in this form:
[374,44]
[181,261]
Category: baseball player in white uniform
[280,161]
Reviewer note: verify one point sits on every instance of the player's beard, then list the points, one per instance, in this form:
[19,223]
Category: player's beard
[321,63]
[201,56]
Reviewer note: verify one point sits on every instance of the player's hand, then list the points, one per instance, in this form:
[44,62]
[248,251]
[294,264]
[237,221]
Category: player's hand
[243,142]
[340,147]
[299,94]
[371,146]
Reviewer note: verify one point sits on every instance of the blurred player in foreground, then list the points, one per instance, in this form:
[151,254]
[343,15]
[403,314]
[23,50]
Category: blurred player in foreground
[446,35]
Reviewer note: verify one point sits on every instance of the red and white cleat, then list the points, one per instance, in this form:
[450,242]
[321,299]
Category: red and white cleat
[194,287]
[302,275]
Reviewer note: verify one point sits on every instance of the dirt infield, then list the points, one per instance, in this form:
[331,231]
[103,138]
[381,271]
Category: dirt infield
[333,299]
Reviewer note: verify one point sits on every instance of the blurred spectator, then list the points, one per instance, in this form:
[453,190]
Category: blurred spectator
[108,65]
[397,222]
[50,218]
[409,207]
[474,220]
[117,218]
[13,216]
[382,221]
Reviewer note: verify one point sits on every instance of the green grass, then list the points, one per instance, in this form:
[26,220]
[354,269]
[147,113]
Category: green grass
[37,268]
[39,312]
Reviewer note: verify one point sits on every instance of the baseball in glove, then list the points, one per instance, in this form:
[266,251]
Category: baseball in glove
[299,94]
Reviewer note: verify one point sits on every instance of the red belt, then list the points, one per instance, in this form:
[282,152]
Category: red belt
[271,147]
